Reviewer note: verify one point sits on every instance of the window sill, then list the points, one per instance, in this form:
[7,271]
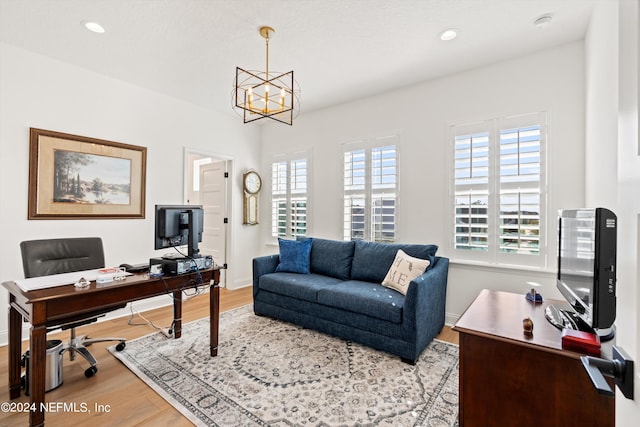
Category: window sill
[502,268]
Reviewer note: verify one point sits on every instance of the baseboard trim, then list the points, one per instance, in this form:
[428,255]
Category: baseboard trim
[451,319]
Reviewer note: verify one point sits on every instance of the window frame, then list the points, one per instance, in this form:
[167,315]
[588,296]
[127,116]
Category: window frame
[368,192]
[289,194]
[495,187]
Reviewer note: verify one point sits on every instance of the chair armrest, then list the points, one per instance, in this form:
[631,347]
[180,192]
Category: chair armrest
[261,266]
[425,302]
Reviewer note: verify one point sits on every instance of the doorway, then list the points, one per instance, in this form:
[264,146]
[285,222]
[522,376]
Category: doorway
[206,183]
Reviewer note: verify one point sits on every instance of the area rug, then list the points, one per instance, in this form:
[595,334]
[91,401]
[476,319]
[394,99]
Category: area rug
[272,373]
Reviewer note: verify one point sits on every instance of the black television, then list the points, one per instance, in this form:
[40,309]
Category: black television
[179,225]
[586,277]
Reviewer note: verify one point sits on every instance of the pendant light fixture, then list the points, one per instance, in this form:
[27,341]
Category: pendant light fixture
[266,94]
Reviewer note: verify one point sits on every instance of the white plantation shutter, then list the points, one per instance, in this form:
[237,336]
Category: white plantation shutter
[471,189]
[279,199]
[383,193]
[520,190]
[298,186]
[498,190]
[289,195]
[354,194]
[370,189]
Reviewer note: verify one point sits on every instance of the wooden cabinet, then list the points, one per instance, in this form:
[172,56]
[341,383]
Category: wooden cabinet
[509,379]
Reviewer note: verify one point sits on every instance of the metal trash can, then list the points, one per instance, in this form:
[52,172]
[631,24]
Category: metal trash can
[53,367]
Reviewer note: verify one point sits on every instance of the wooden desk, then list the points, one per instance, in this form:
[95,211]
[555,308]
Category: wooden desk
[507,379]
[54,306]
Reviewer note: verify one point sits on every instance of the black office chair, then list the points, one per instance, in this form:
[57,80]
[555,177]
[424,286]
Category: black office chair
[56,256]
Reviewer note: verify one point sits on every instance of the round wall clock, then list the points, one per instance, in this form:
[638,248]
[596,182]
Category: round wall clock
[251,183]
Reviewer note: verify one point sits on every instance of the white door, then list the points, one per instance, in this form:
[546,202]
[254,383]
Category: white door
[628,209]
[213,197]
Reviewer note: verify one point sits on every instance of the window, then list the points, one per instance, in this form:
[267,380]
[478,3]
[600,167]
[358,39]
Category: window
[370,189]
[498,194]
[289,197]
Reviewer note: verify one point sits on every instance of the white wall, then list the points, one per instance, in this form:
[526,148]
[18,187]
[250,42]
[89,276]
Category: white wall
[552,80]
[601,107]
[36,91]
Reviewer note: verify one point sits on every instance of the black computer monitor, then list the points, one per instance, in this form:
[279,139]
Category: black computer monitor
[179,225]
[587,241]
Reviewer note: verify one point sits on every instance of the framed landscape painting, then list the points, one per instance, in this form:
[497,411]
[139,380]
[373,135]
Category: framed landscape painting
[77,177]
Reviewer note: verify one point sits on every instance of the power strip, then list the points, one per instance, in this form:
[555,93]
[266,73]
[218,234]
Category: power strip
[167,332]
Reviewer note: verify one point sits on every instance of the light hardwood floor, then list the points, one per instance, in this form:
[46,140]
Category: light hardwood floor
[127,401]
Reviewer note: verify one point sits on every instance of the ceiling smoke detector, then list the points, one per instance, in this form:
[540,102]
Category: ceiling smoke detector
[543,21]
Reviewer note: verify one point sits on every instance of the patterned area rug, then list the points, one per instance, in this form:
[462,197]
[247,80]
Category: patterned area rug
[273,373]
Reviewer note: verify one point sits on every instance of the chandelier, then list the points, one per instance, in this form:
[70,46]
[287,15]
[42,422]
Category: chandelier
[266,94]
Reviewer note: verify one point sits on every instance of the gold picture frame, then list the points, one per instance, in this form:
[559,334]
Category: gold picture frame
[77,177]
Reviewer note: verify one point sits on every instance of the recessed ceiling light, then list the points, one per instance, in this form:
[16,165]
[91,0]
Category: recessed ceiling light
[448,34]
[543,21]
[93,26]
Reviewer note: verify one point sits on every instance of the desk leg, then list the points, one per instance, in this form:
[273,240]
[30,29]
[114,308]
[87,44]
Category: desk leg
[37,364]
[15,348]
[177,314]
[214,315]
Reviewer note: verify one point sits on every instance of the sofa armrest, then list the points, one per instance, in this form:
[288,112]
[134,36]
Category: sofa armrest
[425,302]
[261,266]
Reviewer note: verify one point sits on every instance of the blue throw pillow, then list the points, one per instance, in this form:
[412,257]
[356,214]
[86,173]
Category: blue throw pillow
[294,256]
[331,257]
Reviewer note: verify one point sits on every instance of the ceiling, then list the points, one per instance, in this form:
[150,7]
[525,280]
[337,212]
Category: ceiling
[340,50]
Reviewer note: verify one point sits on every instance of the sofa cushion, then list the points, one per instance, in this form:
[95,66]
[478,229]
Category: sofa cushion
[404,269]
[294,256]
[299,286]
[366,298]
[372,260]
[332,258]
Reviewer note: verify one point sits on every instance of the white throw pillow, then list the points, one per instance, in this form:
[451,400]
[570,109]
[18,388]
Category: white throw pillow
[404,269]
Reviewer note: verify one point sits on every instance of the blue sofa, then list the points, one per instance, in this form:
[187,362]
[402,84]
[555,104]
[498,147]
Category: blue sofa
[342,295]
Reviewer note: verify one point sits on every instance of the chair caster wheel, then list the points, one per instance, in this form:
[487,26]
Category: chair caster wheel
[90,371]
[121,346]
